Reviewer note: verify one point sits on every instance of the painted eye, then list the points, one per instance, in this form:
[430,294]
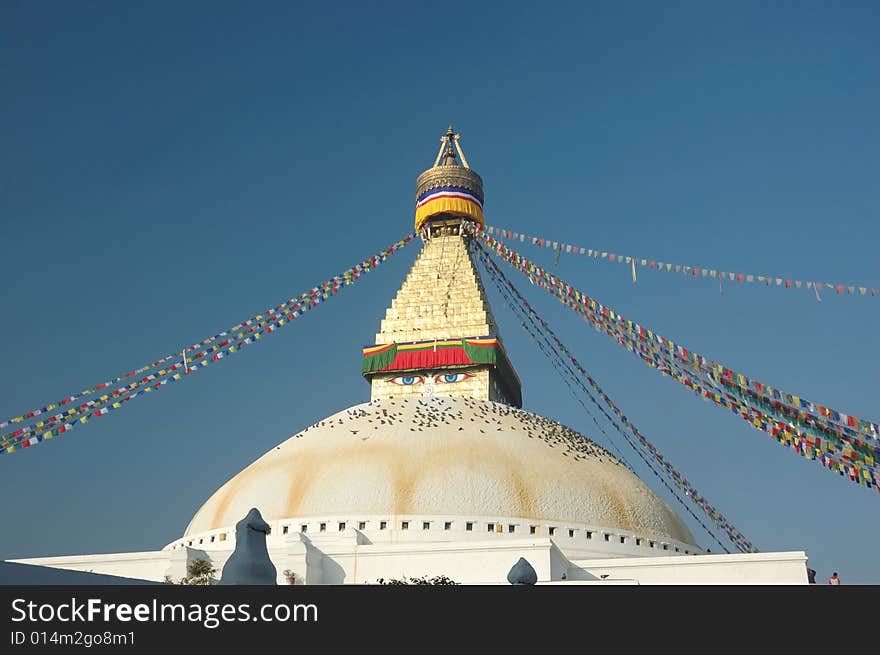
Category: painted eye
[450,378]
[407,380]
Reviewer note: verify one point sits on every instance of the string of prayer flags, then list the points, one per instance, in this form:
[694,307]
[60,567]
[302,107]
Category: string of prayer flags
[849,424]
[508,290]
[249,332]
[674,475]
[850,445]
[690,271]
[251,325]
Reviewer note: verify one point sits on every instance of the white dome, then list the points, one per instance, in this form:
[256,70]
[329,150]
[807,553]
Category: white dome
[441,456]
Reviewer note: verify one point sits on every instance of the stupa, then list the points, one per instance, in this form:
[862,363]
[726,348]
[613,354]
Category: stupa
[442,472]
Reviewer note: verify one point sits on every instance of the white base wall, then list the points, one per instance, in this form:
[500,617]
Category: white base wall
[344,559]
[147,565]
[735,569]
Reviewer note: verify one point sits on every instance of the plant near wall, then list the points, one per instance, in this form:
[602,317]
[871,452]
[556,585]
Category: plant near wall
[423,580]
[199,572]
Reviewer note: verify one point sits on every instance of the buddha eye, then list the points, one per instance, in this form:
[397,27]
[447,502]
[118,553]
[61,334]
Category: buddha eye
[407,380]
[450,378]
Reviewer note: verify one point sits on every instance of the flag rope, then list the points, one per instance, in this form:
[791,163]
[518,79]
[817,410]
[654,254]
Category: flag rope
[522,309]
[248,332]
[801,408]
[849,451]
[692,271]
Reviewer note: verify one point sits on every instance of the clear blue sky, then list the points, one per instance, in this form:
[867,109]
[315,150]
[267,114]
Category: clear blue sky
[169,170]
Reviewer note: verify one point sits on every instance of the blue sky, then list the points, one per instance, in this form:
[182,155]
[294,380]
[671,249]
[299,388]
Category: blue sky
[168,171]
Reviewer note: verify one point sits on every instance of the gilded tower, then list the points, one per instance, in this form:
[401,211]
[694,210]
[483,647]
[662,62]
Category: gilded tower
[438,337]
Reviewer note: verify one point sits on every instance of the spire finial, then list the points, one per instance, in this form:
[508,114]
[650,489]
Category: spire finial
[446,152]
[449,186]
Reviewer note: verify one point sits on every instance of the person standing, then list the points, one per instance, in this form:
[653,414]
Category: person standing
[834,579]
[811,575]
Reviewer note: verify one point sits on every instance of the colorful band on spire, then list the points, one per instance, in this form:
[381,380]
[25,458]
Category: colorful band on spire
[455,200]
[448,353]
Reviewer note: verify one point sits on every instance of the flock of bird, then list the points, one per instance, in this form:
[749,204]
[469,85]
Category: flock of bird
[460,415]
